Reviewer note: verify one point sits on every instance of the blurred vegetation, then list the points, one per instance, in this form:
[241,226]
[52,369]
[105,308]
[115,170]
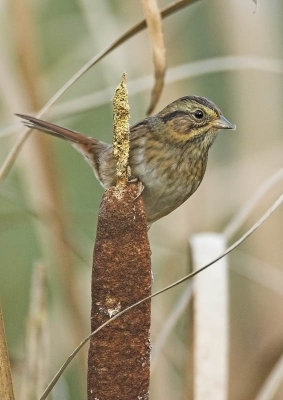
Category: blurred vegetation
[63,36]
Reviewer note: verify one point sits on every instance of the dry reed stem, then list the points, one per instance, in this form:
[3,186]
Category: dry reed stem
[12,156]
[11,197]
[44,175]
[6,386]
[272,383]
[235,223]
[274,206]
[119,357]
[25,38]
[169,324]
[259,272]
[35,374]
[154,25]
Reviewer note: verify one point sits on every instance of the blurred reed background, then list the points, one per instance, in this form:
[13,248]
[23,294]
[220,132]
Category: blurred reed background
[230,52]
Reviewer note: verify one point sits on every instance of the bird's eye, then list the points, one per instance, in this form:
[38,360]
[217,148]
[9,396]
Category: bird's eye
[198,114]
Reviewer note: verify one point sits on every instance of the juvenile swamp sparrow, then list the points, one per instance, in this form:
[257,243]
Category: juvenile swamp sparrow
[168,151]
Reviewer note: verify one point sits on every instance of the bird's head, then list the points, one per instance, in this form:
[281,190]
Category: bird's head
[193,118]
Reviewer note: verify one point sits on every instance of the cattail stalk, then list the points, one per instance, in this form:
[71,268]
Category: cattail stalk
[118,362]
[6,387]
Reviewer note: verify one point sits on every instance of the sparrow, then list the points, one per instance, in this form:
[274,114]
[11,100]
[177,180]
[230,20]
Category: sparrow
[168,151]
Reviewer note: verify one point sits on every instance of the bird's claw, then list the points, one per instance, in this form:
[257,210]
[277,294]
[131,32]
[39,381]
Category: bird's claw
[140,187]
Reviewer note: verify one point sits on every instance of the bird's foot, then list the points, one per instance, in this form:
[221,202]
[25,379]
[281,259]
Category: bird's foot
[140,186]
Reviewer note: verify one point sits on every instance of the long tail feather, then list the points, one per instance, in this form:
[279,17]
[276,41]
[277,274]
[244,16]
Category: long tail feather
[55,130]
[90,148]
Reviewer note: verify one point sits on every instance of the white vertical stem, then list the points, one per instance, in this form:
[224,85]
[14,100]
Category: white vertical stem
[210,319]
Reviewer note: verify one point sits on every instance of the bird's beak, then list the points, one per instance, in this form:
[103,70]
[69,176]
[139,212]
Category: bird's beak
[223,123]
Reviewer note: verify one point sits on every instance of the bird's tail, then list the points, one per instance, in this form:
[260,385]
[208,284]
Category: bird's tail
[55,130]
[90,148]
